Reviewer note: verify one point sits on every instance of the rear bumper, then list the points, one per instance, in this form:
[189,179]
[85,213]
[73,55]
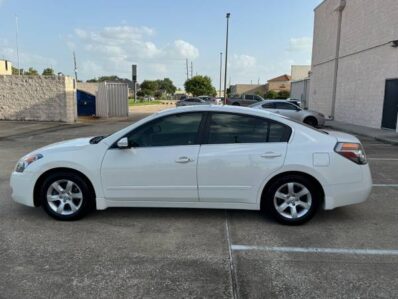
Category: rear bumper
[22,185]
[340,195]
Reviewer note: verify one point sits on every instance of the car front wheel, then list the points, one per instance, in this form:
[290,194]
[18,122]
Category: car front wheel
[66,196]
[292,200]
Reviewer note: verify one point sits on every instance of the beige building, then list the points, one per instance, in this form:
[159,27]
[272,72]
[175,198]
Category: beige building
[299,72]
[239,89]
[281,83]
[355,62]
[5,67]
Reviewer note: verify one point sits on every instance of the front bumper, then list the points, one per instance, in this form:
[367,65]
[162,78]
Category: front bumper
[22,185]
[339,195]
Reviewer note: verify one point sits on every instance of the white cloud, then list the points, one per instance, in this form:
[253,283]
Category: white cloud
[115,48]
[26,59]
[242,62]
[300,44]
[185,49]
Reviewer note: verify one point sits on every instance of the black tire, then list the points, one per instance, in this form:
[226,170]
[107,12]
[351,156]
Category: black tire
[87,196]
[311,121]
[235,104]
[270,198]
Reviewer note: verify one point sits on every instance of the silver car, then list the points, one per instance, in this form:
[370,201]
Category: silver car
[292,111]
[191,102]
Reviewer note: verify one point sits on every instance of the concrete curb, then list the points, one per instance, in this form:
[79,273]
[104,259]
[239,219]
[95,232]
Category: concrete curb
[381,139]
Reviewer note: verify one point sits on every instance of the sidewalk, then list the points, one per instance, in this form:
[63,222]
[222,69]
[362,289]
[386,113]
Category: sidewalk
[378,134]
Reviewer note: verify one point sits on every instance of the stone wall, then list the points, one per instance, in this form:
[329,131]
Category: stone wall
[42,98]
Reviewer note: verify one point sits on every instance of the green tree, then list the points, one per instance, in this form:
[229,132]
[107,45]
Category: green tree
[15,71]
[166,85]
[31,72]
[200,85]
[283,94]
[48,72]
[149,87]
[271,94]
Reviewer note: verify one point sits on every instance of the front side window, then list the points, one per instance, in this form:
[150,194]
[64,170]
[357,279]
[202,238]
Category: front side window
[285,106]
[268,106]
[235,128]
[177,129]
[249,97]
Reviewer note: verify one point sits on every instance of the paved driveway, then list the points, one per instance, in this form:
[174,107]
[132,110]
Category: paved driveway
[349,252]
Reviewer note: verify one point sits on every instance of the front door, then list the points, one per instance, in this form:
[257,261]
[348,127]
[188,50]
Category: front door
[159,166]
[238,154]
[390,109]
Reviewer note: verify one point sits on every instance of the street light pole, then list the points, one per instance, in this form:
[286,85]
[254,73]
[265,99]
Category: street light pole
[220,73]
[226,61]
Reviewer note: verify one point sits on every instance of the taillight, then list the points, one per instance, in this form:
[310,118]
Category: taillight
[351,151]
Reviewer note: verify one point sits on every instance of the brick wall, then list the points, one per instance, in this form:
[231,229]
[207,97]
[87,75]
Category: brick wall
[42,98]
[366,59]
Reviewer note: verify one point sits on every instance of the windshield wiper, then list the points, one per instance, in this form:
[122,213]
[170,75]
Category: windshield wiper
[96,139]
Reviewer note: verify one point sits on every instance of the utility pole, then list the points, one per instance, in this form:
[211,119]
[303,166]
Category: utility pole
[226,60]
[258,81]
[134,80]
[220,73]
[74,62]
[191,69]
[186,62]
[16,37]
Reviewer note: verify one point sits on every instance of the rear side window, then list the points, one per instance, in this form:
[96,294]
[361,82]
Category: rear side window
[236,128]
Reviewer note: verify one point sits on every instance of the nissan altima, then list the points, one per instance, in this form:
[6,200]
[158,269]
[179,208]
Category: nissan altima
[220,157]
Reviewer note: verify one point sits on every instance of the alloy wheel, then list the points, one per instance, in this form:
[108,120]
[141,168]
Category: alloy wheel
[64,197]
[292,200]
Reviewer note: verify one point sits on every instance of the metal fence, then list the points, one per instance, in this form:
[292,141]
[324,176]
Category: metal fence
[112,100]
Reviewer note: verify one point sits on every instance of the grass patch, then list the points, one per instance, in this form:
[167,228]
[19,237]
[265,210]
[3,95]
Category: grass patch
[143,102]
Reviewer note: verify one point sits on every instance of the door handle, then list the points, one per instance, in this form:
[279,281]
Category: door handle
[270,155]
[184,160]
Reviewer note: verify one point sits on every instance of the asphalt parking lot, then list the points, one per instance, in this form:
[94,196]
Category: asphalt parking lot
[350,252]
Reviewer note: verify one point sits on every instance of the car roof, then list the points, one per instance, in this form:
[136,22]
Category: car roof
[222,108]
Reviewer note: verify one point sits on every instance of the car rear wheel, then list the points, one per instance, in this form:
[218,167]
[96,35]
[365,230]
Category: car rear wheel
[311,121]
[66,196]
[292,200]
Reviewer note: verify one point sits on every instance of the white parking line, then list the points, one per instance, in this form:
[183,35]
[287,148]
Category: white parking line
[315,250]
[385,185]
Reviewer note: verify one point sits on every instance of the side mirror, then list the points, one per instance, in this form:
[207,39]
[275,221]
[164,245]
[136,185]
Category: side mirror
[123,143]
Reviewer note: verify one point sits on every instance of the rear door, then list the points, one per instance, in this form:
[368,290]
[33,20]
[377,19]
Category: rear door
[390,109]
[237,154]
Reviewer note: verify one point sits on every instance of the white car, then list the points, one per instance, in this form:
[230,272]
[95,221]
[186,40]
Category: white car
[220,157]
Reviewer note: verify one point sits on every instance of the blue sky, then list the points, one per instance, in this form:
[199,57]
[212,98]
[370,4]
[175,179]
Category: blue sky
[266,36]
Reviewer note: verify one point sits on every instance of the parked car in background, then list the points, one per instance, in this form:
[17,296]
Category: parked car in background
[244,100]
[191,102]
[292,111]
[295,102]
[211,100]
[220,157]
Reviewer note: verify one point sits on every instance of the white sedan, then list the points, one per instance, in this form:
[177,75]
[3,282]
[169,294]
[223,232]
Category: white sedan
[220,157]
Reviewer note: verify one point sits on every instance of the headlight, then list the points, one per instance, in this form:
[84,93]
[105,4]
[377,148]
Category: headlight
[26,161]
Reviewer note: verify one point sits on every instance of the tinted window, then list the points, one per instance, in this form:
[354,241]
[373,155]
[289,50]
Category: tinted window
[257,98]
[268,106]
[285,106]
[235,128]
[177,129]
[248,97]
